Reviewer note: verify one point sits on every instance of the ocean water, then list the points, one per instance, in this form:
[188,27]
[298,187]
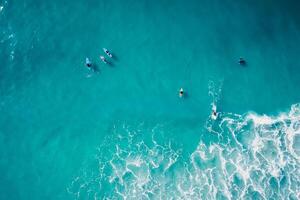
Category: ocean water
[122,132]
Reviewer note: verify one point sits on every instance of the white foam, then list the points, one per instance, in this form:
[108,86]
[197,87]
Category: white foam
[232,169]
[260,120]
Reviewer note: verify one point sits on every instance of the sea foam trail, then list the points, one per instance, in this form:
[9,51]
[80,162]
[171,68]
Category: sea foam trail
[256,157]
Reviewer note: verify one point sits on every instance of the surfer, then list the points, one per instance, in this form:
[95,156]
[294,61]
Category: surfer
[88,63]
[242,61]
[181,93]
[103,59]
[107,53]
[214,113]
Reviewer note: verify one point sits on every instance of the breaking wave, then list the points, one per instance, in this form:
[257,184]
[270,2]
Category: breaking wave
[255,157]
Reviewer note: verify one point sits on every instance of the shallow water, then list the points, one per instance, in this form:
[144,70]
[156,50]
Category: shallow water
[68,133]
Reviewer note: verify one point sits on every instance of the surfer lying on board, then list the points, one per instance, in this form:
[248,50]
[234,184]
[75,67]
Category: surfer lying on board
[214,113]
[88,63]
[181,93]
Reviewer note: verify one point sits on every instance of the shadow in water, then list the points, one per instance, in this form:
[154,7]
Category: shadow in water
[95,68]
[110,63]
[185,95]
[115,58]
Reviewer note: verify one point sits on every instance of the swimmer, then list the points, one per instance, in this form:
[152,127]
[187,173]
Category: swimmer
[103,59]
[242,61]
[181,93]
[88,63]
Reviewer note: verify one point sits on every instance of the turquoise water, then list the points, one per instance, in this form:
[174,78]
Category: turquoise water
[123,133]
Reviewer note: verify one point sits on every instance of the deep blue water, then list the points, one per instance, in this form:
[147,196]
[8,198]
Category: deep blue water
[122,132]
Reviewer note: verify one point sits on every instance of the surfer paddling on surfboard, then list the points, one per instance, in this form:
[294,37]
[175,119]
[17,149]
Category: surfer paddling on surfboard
[181,93]
[214,113]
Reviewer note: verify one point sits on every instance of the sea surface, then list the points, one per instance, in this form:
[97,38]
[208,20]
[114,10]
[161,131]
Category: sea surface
[121,131]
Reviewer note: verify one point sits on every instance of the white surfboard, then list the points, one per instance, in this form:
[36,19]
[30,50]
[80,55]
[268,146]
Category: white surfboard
[214,114]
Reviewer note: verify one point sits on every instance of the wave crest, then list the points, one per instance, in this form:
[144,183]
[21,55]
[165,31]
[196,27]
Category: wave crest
[256,157]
